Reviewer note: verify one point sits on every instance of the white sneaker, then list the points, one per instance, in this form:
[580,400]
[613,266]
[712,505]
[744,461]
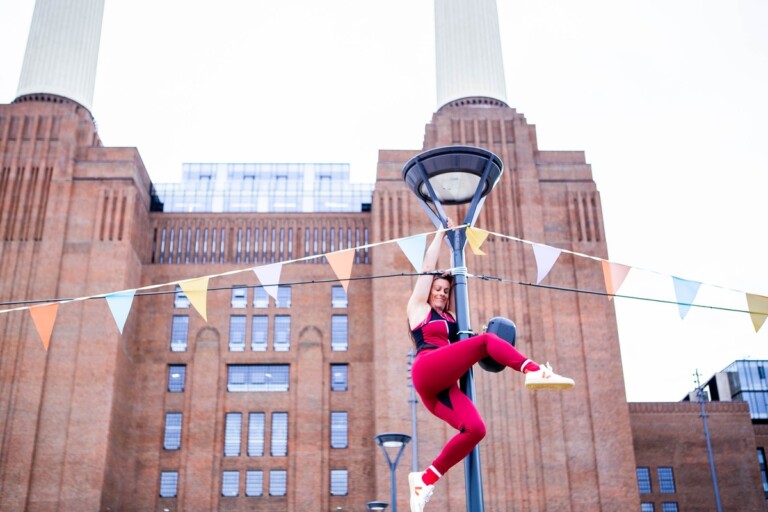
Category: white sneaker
[420,492]
[545,378]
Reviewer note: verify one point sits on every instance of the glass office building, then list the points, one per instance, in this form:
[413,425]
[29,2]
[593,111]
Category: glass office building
[742,380]
[264,188]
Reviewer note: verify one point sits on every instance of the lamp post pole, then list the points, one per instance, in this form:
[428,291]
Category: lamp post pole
[472,474]
[454,175]
[703,414]
[393,440]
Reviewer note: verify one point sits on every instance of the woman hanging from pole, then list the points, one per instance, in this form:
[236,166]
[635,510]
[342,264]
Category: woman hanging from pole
[440,363]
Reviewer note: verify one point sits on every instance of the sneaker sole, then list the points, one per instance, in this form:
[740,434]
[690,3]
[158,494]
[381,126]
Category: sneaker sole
[549,385]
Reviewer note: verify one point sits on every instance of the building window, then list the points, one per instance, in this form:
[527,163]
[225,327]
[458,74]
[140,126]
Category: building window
[169,484]
[339,482]
[254,483]
[230,482]
[259,333]
[179,333]
[339,377]
[256,434]
[644,480]
[237,333]
[283,297]
[176,376]
[761,372]
[180,300]
[646,507]
[279,439]
[666,480]
[260,298]
[278,482]
[239,296]
[339,332]
[339,430]
[257,377]
[338,297]
[763,473]
[669,506]
[233,425]
[172,435]
[282,341]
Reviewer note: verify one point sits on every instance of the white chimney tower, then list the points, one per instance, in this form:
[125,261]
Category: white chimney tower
[468,48]
[62,50]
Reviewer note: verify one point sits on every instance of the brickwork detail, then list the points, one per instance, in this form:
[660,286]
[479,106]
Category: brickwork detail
[25,175]
[257,239]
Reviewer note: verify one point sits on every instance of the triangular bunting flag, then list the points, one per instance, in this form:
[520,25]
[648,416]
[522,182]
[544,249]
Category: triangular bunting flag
[196,291]
[476,237]
[341,263]
[414,247]
[614,275]
[758,309]
[269,277]
[685,291]
[120,305]
[545,260]
[44,317]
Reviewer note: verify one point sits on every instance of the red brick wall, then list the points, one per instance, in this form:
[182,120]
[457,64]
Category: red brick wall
[672,435]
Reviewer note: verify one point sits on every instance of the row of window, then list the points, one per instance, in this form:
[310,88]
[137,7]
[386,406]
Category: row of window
[281,333]
[666,479]
[233,433]
[256,377]
[230,483]
[261,298]
[667,506]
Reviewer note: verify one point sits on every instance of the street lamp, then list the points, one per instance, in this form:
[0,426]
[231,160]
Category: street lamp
[391,440]
[453,175]
[376,505]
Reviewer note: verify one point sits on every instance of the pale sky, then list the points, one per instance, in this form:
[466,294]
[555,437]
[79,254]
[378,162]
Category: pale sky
[666,98]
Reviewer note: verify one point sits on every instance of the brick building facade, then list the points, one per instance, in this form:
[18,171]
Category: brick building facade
[87,419]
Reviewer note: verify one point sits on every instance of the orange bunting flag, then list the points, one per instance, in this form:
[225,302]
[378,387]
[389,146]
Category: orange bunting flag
[476,237]
[758,309]
[614,275]
[341,263]
[196,291]
[44,317]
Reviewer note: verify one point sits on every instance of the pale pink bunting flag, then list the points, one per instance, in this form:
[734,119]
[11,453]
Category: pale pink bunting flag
[614,275]
[413,247]
[44,317]
[269,277]
[545,260]
[196,291]
[758,309]
[341,263]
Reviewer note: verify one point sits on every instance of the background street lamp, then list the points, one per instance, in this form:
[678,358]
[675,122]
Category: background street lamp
[391,441]
[453,175]
[376,505]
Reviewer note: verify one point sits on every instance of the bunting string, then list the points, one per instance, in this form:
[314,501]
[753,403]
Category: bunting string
[43,311]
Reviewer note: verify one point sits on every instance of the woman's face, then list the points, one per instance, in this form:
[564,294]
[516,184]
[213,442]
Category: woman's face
[440,294]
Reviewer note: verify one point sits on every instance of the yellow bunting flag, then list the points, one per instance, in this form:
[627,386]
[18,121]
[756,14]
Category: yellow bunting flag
[614,275]
[44,317]
[476,237]
[196,291]
[341,263]
[758,309]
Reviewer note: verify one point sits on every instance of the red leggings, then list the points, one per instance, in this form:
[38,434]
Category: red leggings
[435,374]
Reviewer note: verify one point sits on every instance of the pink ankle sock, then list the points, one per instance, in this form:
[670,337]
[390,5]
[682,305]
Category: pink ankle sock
[430,476]
[529,366]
